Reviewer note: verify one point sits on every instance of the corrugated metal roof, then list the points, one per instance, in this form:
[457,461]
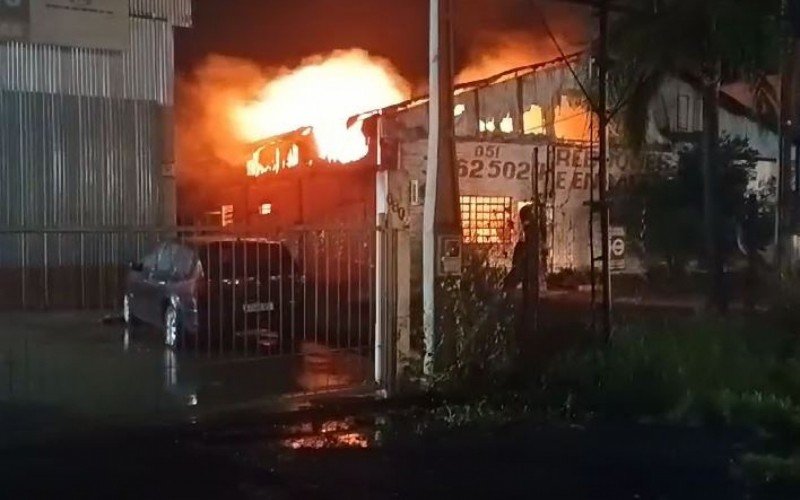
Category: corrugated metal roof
[177,12]
[143,72]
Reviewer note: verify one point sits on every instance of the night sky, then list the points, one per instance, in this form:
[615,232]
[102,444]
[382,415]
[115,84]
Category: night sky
[282,32]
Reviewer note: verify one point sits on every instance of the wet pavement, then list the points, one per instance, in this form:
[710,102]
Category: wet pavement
[90,410]
[346,458]
[60,370]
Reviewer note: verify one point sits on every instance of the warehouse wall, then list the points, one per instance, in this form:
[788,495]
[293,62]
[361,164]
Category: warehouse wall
[85,149]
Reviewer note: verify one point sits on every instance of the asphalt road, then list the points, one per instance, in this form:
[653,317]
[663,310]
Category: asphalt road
[521,461]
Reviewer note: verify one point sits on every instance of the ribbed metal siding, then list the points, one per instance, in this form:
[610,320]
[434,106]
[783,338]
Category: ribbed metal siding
[177,12]
[144,72]
[73,162]
[78,161]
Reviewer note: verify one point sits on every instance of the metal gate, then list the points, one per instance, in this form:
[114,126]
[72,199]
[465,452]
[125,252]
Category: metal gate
[241,296]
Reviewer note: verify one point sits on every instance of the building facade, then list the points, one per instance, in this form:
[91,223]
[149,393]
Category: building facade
[531,122]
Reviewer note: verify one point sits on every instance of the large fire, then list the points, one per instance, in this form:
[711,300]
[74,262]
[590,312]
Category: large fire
[323,93]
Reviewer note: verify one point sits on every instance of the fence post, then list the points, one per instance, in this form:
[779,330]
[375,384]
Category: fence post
[399,222]
[392,278]
[381,214]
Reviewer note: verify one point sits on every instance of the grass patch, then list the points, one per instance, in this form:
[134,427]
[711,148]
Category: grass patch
[708,370]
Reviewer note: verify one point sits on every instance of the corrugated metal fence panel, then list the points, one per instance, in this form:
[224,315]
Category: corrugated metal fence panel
[78,161]
[145,71]
[177,12]
[70,161]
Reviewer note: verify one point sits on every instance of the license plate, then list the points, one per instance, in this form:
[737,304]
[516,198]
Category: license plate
[258,307]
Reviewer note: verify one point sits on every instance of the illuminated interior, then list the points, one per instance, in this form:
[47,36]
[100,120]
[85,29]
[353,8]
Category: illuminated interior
[572,121]
[487,219]
[533,121]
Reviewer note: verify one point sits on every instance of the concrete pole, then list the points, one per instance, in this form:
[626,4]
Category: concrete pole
[381,278]
[786,128]
[441,218]
[603,150]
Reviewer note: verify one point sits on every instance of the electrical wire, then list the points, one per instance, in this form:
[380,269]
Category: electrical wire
[543,18]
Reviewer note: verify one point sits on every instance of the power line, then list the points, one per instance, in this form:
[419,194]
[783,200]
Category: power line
[546,25]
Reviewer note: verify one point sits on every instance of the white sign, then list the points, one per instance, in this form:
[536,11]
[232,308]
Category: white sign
[617,247]
[95,24]
[497,169]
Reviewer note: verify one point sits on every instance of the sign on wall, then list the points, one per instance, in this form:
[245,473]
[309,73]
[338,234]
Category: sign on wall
[96,24]
[14,19]
[617,248]
[498,169]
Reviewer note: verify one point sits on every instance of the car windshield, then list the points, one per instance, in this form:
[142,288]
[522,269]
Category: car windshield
[245,259]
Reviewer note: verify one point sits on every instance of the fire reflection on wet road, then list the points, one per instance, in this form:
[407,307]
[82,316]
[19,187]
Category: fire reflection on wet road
[72,364]
[341,433]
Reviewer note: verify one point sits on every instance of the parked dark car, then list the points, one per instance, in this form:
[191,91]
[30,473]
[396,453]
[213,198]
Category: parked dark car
[217,293]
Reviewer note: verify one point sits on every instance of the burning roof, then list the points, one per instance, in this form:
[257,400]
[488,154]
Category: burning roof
[323,93]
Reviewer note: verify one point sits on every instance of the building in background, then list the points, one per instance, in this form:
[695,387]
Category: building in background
[504,124]
[86,99]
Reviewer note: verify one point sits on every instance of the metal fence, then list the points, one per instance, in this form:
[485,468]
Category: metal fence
[265,293]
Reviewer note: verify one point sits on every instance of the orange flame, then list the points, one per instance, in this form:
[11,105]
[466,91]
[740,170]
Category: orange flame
[504,52]
[323,93]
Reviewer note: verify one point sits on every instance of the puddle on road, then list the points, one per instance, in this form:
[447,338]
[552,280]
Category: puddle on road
[330,434]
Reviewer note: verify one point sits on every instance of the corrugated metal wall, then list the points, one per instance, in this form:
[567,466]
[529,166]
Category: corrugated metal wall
[82,143]
[177,12]
[70,161]
[144,72]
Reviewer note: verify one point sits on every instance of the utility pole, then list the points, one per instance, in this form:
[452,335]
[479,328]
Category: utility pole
[785,213]
[602,112]
[600,107]
[442,219]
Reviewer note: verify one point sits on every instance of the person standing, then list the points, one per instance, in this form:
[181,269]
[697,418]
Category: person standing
[525,271]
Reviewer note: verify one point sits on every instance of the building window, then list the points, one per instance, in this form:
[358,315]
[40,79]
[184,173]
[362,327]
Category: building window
[265,209]
[684,111]
[697,123]
[487,220]
[226,215]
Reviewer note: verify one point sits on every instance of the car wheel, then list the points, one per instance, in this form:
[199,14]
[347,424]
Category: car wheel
[127,315]
[172,327]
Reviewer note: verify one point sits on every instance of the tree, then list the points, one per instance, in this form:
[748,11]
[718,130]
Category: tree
[712,41]
[672,205]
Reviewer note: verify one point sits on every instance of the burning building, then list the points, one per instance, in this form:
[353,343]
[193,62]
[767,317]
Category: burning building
[524,122]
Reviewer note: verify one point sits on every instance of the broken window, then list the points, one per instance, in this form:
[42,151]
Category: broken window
[572,120]
[533,121]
